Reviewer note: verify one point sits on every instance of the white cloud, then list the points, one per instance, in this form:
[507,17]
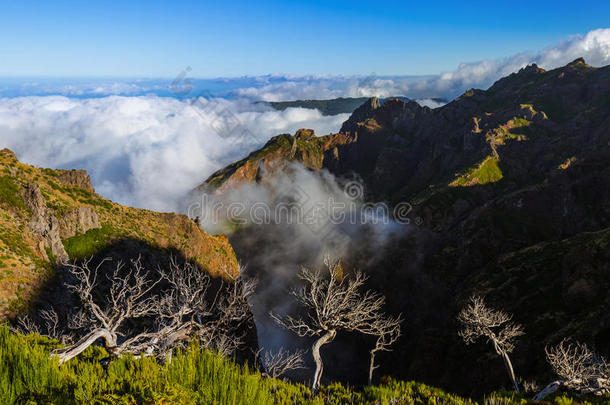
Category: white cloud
[148,151]
[429,102]
[143,151]
[593,46]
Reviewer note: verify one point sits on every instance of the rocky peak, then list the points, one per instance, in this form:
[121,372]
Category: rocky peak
[304,134]
[360,114]
[8,153]
[533,68]
[372,103]
[578,61]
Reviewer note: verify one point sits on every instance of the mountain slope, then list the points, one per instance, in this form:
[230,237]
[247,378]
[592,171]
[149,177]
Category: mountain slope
[48,216]
[511,186]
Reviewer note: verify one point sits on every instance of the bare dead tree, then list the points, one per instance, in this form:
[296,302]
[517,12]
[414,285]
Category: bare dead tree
[334,303]
[176,297]
[479,321]
[279,363]
[185,310]
[226,333]
[51,319]
[387,331]
[579,369]
[127,298]
[45,322]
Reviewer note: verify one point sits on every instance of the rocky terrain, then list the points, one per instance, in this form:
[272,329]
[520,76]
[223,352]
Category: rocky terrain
[510,188]
[50,216]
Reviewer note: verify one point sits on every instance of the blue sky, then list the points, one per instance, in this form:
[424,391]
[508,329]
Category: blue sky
[159,39]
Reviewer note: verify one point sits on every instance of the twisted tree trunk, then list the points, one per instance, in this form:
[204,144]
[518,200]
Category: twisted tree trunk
[74,350]
[324,339]
[511,372]
[582,387]
[371,367]
[508,365]
[548,390]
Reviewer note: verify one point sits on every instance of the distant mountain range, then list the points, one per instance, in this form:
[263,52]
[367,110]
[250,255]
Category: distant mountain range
[341,105]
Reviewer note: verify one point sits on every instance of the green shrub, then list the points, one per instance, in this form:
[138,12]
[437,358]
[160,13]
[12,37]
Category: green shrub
[89,243]
[9,193]
[30,375]
[488,171]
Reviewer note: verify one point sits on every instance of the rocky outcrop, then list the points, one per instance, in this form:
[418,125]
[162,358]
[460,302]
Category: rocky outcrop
[77,178]
[8,153]
[360,114]
[78,221]
[44,225]
[51,229]
[274,157]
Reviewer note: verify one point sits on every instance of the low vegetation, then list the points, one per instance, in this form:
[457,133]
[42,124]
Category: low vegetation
[9,193]
[88,244]
[29,375]
[488,171]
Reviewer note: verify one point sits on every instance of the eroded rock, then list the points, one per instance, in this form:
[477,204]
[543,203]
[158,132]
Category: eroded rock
[43,224]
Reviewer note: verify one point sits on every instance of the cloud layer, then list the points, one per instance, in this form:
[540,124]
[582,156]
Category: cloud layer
[144,151]
[150,150]
[309,214]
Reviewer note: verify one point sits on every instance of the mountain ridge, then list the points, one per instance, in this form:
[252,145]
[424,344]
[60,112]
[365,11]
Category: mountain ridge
[492,176]
[50,216]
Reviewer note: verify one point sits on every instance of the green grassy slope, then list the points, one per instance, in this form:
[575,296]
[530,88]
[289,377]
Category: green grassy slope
[29,375]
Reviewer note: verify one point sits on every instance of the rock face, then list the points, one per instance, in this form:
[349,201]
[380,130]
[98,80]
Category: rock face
[78,178]
[52,230]
[360,114]
[78,221]
[43,224]
[510,189]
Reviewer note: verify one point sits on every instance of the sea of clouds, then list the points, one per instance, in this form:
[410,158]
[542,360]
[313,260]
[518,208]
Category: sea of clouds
[144,151]
[148,142]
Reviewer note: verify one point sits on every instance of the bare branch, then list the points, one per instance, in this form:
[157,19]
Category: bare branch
[127,297]
[279,363]
[480,321]
[51,322]
[387,331]
[335,302]
[25,325]
[579,369]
